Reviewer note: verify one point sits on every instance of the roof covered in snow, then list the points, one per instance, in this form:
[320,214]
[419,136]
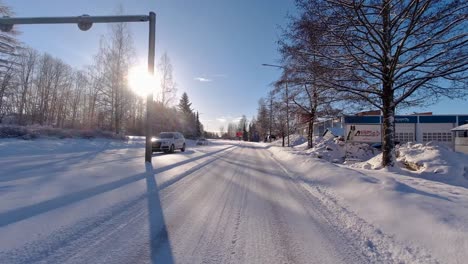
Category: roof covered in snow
[336,131]
[460,128]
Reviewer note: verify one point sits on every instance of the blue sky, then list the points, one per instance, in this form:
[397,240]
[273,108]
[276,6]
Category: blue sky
[223,42]
[216,46]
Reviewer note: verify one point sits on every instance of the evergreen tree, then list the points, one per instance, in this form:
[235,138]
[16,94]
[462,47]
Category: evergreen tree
[245,135]
[189,118]
[199,131]
[185,104]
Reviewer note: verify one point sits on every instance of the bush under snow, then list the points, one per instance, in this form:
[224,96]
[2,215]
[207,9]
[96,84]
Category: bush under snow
[33,132]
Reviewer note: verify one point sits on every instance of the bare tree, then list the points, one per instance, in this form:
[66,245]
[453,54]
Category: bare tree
[221,131]
[263,119]
[27,63]
[394,53]
[115,58]
[306,73]
[80,82]
[168,85]
[6,79]
[8,42]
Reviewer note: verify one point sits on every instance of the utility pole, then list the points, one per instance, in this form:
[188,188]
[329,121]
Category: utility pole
[271,114]
[85,22]
[149,97]
[287,107]
[287,96]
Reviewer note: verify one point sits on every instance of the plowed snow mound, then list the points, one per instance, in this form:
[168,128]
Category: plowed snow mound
[330,149]
[429,161]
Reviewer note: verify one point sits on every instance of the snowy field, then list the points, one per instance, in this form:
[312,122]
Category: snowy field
[94,201]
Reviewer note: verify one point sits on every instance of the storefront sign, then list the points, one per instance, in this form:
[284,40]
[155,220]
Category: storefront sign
[364,133]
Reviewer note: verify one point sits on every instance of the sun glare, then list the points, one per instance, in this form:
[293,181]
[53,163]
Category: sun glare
[141,82]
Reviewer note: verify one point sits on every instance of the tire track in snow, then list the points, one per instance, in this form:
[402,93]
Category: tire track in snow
[62,244]
[372,241]
[71,243]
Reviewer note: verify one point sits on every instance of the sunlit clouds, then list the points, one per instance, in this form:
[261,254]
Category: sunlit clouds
[228,119]
[201,79]
[210,78]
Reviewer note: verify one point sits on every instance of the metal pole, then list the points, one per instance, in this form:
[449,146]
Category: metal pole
[271,114]
[84,23]
[287,109]
[72,19]
[149,97]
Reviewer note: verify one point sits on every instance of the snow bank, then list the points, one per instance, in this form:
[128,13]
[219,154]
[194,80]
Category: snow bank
[294,140]
[429,161]
[407,219]
[335,150]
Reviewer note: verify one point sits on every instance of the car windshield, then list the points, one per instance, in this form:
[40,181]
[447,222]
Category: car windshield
[166,135]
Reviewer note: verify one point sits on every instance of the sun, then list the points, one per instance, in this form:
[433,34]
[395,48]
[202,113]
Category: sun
[141,82]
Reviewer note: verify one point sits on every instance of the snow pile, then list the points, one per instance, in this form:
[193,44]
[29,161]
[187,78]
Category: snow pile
[294,140]
[429,161]
[337,151]
[331,149]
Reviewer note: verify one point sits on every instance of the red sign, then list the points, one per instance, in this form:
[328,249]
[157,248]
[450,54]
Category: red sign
[239,134]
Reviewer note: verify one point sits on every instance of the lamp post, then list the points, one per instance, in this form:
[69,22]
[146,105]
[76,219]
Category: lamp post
[85,22]
[287,96]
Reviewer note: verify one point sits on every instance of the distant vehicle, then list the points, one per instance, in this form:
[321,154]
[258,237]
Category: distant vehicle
[202,141]
[167,142]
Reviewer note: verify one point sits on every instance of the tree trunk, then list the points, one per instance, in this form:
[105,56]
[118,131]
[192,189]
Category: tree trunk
[310,133]
[388,144]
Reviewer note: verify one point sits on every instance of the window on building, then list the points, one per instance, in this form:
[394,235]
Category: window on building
[404,137]
[437,136]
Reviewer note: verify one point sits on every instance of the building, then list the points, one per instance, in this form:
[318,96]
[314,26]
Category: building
[461,138]
[333,132]
[320,127]
[366,127]
[408,128]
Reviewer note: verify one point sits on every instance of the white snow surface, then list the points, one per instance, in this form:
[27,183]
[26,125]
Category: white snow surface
[95,201]
[424,211]
[331,149]
[429,161]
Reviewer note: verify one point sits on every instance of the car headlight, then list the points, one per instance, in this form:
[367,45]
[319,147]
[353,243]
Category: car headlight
[153,140]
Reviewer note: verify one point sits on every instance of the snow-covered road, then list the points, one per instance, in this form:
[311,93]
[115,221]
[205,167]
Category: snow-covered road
[95,201]
[223,203]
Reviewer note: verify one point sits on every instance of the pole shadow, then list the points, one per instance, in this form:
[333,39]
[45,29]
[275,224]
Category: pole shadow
[160,247]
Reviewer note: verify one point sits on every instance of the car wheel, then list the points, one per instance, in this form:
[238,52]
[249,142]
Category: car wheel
[183,148]
[172,149]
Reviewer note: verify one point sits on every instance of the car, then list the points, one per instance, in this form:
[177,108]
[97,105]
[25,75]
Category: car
[168,142]
[202,141]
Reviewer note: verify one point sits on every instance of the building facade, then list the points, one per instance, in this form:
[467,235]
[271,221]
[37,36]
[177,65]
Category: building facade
[408,128]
